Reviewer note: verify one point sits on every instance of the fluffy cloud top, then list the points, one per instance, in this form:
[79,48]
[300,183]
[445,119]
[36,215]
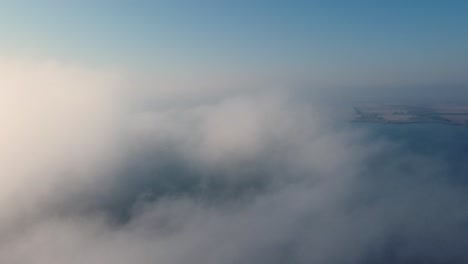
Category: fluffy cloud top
[240,177]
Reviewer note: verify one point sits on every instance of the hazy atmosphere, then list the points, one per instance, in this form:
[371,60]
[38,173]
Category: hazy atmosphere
[223,132]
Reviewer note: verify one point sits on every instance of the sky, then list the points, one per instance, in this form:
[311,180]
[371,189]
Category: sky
[218,132]
[320,40]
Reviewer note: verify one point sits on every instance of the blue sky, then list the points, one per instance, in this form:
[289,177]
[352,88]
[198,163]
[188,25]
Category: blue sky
[328,37]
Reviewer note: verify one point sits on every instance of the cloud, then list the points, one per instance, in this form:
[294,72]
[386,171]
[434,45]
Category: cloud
[58,129]
[236,176]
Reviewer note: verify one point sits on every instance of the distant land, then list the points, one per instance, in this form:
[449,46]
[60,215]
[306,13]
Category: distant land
[407,114]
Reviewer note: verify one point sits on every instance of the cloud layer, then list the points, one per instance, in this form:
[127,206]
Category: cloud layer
[248,175]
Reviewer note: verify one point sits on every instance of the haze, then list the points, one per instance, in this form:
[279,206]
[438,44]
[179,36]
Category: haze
[217,132]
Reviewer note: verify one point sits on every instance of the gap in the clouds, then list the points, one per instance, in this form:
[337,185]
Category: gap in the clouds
[448,144]
[153,176]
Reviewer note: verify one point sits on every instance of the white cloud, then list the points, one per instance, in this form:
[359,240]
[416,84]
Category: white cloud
[59,126]
[232,177]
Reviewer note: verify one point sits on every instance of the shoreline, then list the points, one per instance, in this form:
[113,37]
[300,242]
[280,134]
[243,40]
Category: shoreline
[408,123]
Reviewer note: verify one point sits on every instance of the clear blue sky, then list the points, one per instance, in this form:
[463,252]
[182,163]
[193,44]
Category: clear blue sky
[331,36]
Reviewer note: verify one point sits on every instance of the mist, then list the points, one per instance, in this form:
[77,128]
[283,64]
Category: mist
[100,166]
